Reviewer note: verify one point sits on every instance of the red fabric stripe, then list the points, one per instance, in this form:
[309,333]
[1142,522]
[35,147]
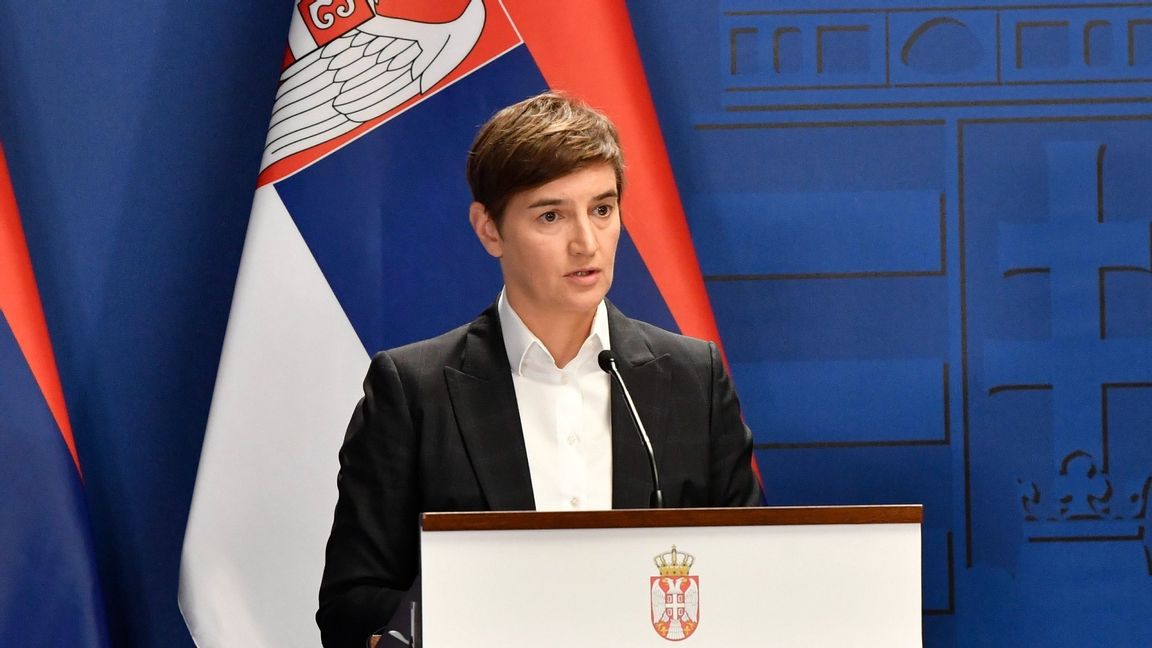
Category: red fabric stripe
[441,11]
[593,55]
[20,303]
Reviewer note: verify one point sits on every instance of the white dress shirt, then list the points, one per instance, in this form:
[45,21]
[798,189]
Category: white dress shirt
[565,413]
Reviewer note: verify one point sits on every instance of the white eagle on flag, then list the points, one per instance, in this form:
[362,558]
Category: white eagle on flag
[360,75]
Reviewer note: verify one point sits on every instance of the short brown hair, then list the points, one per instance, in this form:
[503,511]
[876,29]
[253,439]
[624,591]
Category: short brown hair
[535,141]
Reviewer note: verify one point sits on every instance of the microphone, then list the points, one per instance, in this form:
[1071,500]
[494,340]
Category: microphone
[607,361]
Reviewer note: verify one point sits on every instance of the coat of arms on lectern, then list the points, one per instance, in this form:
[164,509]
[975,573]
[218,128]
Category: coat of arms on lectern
[675,596]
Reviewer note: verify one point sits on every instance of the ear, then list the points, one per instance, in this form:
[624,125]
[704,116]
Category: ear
[486,229]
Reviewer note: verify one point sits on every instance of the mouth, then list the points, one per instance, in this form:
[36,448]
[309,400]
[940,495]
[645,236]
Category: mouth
[587,272]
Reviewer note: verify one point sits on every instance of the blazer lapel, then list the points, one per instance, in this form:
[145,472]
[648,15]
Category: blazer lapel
[648,380]
[484,402]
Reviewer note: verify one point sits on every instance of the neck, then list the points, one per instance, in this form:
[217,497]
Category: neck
[561,333]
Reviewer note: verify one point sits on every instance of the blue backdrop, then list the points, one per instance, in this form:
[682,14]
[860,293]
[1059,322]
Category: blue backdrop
[924,229]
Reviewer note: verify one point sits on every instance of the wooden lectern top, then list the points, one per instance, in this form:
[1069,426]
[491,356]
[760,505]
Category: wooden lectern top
[689,517]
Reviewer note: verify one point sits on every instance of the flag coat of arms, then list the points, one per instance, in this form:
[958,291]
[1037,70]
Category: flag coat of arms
[675,606]
[358,241]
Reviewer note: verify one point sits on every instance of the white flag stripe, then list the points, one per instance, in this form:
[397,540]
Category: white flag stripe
[289,378]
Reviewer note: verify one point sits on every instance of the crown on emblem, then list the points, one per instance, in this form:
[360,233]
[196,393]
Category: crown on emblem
[674,563]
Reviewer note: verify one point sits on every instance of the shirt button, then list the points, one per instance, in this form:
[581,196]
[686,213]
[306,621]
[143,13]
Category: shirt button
[573,439]
[575,502]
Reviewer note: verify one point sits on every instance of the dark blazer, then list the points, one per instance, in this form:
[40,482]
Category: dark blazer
[438,429]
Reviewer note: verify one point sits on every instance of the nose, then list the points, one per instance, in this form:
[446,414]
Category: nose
[583,240]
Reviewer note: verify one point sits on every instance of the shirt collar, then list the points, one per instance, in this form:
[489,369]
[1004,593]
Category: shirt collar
[519,341]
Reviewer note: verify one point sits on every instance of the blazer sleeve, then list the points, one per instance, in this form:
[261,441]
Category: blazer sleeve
[372,556]
[731,480]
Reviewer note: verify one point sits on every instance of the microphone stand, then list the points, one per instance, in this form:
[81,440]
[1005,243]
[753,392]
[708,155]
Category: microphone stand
[607,361]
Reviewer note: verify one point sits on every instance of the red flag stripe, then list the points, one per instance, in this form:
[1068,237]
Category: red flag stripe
[20,303]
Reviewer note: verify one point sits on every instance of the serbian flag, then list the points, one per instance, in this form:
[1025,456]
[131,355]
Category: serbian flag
[49,589]
[359,241]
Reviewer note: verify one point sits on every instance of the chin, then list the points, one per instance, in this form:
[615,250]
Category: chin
[585,303]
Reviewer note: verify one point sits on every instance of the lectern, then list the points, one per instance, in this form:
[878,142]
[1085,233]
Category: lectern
[781,577]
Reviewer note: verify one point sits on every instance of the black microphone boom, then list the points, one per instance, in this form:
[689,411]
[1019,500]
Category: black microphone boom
[607,361]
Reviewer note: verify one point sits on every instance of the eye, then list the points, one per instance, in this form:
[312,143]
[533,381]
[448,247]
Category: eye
[603,210]
[549,217]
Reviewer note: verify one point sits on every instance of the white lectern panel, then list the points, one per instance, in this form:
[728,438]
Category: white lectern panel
[803,585]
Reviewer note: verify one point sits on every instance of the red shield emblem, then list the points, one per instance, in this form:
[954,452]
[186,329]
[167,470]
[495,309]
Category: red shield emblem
[675,606]
[675,596]
[328,19]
